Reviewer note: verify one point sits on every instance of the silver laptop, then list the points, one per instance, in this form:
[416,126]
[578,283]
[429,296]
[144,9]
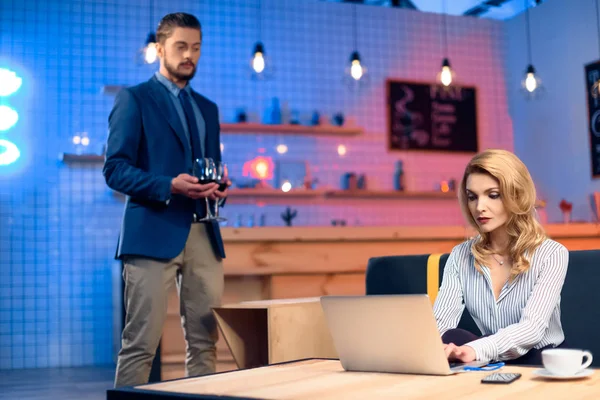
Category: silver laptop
[387,333]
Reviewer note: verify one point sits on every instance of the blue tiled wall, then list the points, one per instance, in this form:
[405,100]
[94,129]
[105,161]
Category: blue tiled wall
[59,222]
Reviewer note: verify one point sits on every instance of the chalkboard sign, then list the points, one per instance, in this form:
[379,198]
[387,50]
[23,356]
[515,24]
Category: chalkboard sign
[431,117]
[592,77]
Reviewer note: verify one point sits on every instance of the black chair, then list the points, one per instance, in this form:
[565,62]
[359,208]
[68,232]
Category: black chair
[580,300]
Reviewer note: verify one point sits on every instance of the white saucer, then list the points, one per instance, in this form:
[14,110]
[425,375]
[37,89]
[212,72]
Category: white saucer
[545,374]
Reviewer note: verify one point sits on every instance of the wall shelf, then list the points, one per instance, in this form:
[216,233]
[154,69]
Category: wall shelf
[273,193]
[267,193]
[81,158]
[259,128]
[338,194]
[263,194]
[320,130]
[389,194]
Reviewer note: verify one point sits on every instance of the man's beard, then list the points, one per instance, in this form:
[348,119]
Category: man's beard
[182,76]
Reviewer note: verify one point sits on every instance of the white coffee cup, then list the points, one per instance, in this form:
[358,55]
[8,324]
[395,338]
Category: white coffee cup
[565,362]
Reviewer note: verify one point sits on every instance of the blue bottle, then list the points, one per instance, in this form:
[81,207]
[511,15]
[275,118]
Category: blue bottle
[399,176]
[275,117]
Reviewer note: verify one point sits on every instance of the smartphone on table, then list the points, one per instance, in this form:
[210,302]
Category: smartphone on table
[501,377]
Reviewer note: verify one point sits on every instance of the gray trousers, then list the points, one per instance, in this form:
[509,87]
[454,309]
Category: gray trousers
[199,277]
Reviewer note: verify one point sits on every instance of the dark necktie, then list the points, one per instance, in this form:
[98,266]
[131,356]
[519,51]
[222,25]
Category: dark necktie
[215,237]
[192,123]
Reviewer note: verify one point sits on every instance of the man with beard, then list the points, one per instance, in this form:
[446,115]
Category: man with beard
[156,130]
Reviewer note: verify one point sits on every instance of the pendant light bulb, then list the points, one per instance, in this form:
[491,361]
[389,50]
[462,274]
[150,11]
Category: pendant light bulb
[356,69]
[151,54]
[258,59]
[149,51]
[531,83]
[530,79]
[446,73]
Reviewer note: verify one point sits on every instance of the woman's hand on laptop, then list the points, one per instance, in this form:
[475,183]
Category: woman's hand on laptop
[459,353]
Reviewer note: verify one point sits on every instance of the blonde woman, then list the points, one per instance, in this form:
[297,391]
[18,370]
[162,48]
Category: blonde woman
[509,277]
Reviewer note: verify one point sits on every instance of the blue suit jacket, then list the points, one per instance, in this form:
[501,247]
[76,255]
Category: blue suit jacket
[146,148]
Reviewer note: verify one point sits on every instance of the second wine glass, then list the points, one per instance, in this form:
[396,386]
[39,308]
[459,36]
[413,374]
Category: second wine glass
[222,176]
[204,169]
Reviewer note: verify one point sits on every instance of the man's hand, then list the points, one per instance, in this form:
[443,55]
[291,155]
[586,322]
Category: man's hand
[188,185]
[459,353]
[221,195]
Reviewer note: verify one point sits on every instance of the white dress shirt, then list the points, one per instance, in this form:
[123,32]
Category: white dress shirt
[527,312]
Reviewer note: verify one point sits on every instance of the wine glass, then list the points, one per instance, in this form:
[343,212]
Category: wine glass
[204,169]
[222,176]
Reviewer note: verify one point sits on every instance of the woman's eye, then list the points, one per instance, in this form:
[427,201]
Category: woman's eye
[471,197]
[494,195]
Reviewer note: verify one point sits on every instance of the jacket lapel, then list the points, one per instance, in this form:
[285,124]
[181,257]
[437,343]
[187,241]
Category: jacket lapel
[165,105]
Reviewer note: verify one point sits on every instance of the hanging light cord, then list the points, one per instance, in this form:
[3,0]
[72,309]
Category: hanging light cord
[528,31]
[260,21]
[152,27]
[354,24]
[445,27]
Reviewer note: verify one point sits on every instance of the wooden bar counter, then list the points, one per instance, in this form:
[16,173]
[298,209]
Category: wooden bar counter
[291,262]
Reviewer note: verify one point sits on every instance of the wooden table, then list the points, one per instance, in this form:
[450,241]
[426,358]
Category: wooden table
[292,262]
[325,379]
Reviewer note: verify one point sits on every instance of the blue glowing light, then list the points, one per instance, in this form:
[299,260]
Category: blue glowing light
[9,82]
[8,118]
[9,152]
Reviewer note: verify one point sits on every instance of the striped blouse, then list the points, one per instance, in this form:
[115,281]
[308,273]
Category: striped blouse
[527,312]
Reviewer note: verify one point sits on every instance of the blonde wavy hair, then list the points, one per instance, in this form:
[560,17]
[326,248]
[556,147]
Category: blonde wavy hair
[518,195]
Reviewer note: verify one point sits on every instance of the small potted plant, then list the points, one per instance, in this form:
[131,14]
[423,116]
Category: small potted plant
[566,209]
[288,216]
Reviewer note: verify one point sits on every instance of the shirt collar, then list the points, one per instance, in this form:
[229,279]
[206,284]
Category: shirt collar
[171,87]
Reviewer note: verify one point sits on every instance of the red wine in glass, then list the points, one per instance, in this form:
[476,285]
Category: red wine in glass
[222,175]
